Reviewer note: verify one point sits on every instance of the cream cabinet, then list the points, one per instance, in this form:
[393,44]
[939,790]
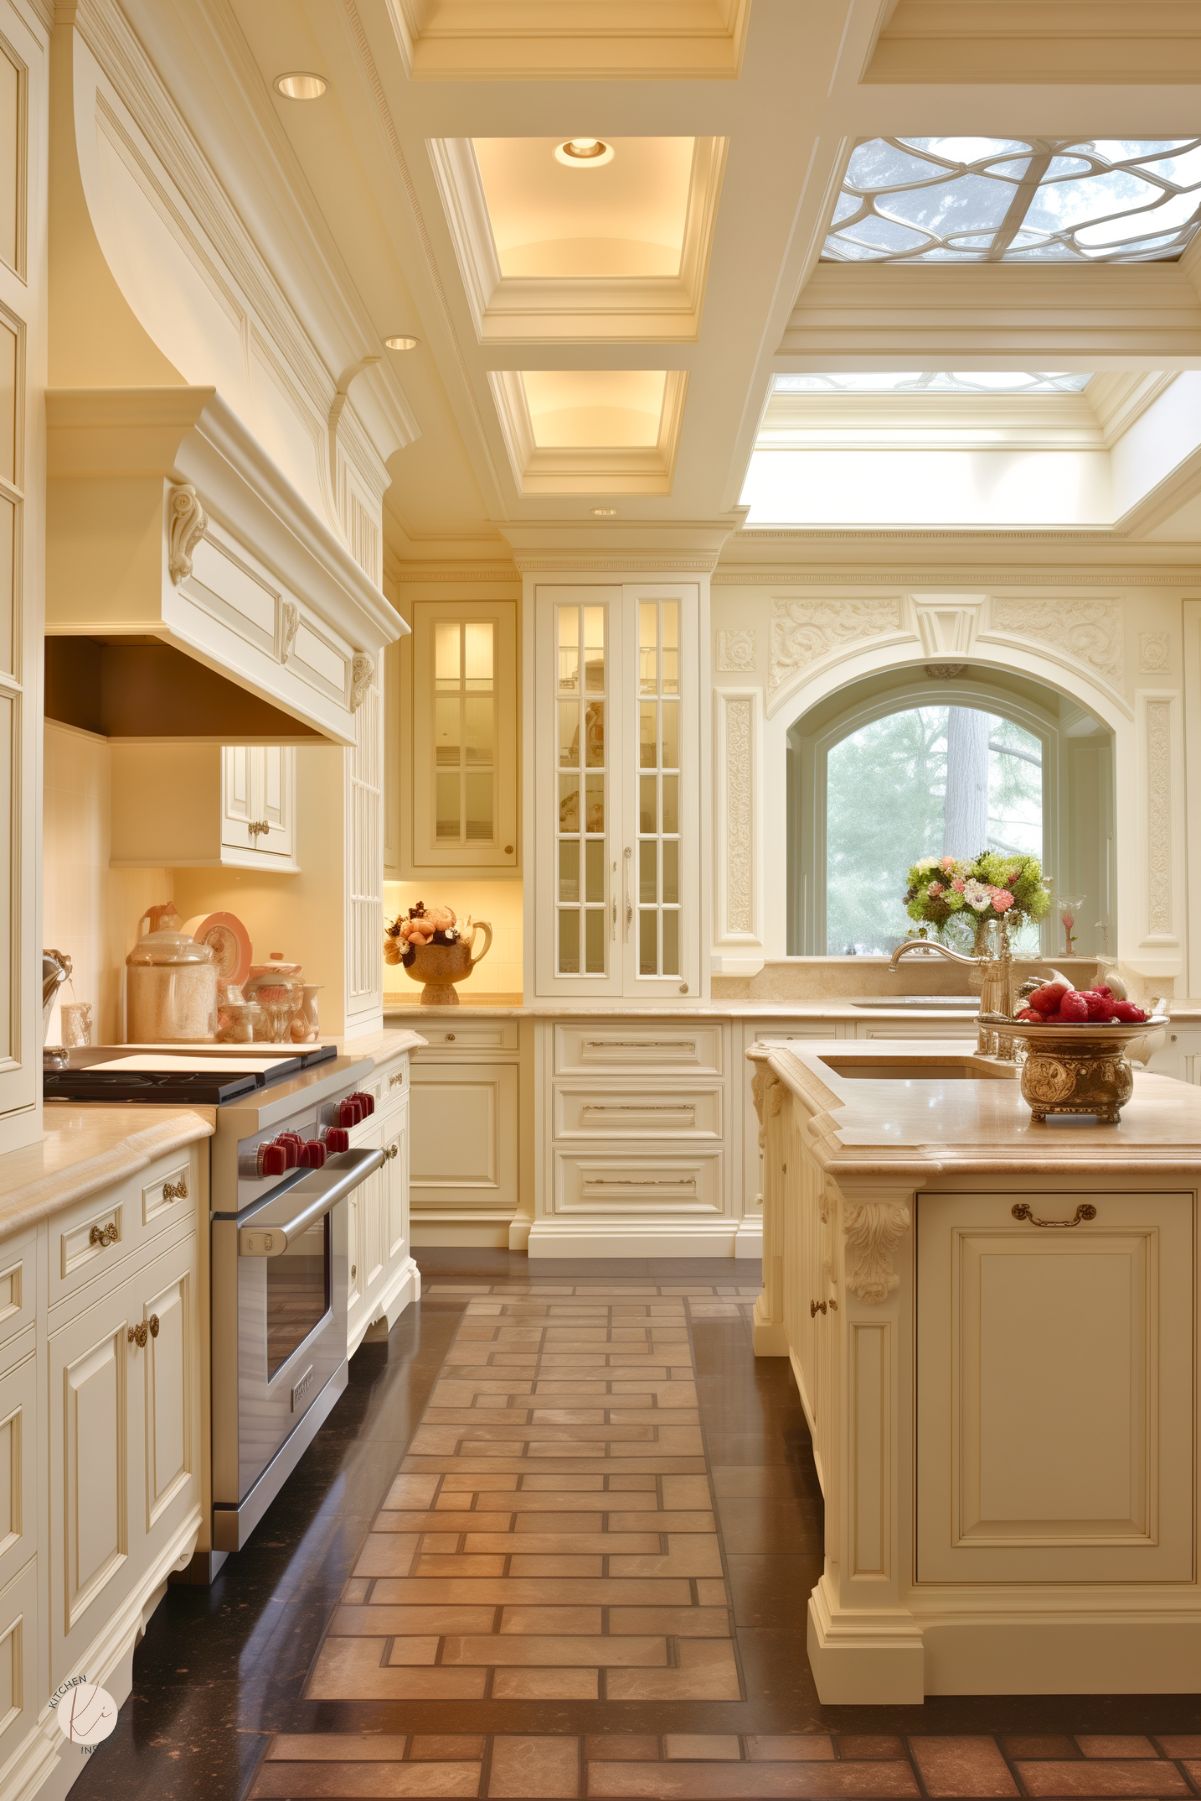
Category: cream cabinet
[453,718]
[1179,1055]
[616,776]
[24,52]
[1057,1444]
[188,806]
[464,1146]
[383,1276]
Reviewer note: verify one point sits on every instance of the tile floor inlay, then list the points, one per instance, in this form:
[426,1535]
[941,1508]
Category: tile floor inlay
[557,1540]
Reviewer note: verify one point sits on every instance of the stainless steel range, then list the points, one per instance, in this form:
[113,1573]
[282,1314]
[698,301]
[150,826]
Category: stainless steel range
[282,1169]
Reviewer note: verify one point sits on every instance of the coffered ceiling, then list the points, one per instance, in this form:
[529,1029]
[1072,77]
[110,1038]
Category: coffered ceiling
[607,331]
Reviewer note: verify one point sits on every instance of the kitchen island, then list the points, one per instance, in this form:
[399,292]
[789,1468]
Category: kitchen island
[993,1328]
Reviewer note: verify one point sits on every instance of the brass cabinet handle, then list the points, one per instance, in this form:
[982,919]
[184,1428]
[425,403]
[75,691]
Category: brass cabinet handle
[396,1080]
[138,1334]
[103,1236]
[1086,1210]
[176,1191]
[354,1270]
[153,1323]
[259,828]
[816,1307]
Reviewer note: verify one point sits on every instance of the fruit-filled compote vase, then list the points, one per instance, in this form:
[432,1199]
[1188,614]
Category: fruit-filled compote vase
[1073,1050]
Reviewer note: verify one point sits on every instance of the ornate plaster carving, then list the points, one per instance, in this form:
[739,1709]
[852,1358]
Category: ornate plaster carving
[736,652]
[186,522]
[871,1230]
[1086,631]
[1154,651]
[362,674]
[767,1091]
[946,623]
[1159,817]
[739,822]
[805,631]
[291,627]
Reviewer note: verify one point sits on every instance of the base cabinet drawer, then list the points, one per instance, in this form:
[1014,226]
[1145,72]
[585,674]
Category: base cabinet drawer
[1057,1443]
[18,1287]
[466,1037]
[584,1111]
[923,1028]
[22,1695]
[21,1447]
[657,1046]
[638,1182]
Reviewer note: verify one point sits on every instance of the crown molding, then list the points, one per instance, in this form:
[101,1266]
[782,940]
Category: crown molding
[554,40]
[899,578]
[994,41]
[587,469]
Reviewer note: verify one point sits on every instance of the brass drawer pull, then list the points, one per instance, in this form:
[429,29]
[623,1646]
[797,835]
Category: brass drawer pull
[103,1236]
[816,1307]
[138,1334]
[1086,1210]
[640,1044]
[176,1191]
[642,1182]
[259,828]
[396,1080]
[638,1107]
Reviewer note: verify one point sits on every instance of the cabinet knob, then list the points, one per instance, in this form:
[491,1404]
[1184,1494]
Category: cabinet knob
[354,1270]
[816,1307]
[450,1038]
[153,1323]
[103,1236]
[137,1335]
[508,850]
[392,1151]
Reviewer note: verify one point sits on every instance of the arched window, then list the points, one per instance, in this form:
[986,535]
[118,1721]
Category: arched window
[897,768]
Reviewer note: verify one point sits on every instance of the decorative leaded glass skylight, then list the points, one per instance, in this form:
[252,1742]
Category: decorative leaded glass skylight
[973,200]
[936,381]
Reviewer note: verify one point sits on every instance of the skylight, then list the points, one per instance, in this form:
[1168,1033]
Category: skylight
[936,381]
[966,199]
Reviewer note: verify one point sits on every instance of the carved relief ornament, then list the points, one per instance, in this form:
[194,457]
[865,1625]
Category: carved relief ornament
[767,1091]
[736,652]
[186,522]
[291,623]
[805,631]
[871,1232]
[1085,631]
[740,816]
[362,674]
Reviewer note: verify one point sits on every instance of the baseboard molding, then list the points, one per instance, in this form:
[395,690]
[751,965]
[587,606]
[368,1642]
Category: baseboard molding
[748,1240]
[470,1234]
[632,1238]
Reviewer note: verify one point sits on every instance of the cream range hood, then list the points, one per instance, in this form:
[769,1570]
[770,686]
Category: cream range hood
[190,591]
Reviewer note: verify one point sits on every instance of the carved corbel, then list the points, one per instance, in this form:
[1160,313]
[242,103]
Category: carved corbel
[871,1231]
[186,523]
[767,1091]
[291,626]
[362,674]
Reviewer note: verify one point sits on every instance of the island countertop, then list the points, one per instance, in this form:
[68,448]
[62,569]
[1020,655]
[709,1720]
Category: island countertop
[977,1123]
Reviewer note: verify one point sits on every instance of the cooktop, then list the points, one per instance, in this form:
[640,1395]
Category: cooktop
[207,1075]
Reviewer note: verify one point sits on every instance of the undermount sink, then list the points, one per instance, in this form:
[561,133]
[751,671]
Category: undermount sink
[955,1003]
[909,1067]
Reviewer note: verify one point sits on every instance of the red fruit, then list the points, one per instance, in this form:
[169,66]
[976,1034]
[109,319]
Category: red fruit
[1101,988]
[1073,1008]
[1100,1006]
[1032,1017]
[1048,997]
[1129,1014]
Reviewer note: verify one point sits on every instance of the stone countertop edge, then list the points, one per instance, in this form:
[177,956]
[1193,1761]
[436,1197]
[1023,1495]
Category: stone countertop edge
[512,1007]
[87,1146]
[960,1127]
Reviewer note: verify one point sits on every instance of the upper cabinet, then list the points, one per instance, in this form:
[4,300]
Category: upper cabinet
[453,761]
[616,787]
[181,806]
[23,124]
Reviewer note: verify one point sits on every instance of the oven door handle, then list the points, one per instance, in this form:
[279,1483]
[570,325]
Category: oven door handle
[281,1222]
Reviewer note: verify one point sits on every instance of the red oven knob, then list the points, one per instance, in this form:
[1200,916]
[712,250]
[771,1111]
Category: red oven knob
[273,1159]
[312,1154]
[337,1139]
[366,1102]
[290,1143]
[350,1113]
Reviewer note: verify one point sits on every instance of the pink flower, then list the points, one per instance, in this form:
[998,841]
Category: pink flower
[958,884]
[948,862]
[936,888]
[1002,900]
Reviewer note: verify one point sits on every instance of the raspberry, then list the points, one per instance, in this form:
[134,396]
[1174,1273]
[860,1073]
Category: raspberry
[1048,997]
[1031,1016]
[1073,1008]
[1100,1006]
[1129,1014]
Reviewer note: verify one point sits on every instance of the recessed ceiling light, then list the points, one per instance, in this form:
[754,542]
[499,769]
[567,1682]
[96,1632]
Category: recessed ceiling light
[584,153]
[604,512]
[402,341]
[299,85]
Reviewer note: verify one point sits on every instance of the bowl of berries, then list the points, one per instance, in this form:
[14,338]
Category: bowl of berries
[1074,1046]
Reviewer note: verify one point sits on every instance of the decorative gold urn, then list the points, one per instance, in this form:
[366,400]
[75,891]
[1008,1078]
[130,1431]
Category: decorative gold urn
[440,966]
[1075,1068]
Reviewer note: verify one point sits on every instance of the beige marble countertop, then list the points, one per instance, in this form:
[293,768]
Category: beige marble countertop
[513,1007]
[917,1128]
[86,1147]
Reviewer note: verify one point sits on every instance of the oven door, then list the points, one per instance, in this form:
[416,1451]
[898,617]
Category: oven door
[279,1287]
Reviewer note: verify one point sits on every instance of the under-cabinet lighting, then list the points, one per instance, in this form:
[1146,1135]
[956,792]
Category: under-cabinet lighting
[604,512]
[299,84]
[584,153]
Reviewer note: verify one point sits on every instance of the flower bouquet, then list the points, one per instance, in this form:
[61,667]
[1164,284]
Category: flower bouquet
[996,885]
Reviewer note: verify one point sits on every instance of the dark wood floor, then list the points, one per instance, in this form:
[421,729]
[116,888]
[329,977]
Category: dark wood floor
[624,1613]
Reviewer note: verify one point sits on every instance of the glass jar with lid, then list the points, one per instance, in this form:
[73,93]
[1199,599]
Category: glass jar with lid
[170,988]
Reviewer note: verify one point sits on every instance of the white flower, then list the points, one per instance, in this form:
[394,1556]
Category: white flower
[926,863]
[977,895]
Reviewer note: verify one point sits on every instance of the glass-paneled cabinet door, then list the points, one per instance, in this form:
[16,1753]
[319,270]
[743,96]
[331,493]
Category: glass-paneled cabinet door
[660,882]
[578,789]
[464,721]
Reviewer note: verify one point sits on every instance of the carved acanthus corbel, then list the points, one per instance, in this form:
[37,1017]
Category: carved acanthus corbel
[767,1090]
[871,1231]
[362,674]
[291,627]
[186,523]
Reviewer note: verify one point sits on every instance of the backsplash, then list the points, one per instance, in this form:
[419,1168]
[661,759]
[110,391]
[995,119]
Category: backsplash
[89,910]
[498,901]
